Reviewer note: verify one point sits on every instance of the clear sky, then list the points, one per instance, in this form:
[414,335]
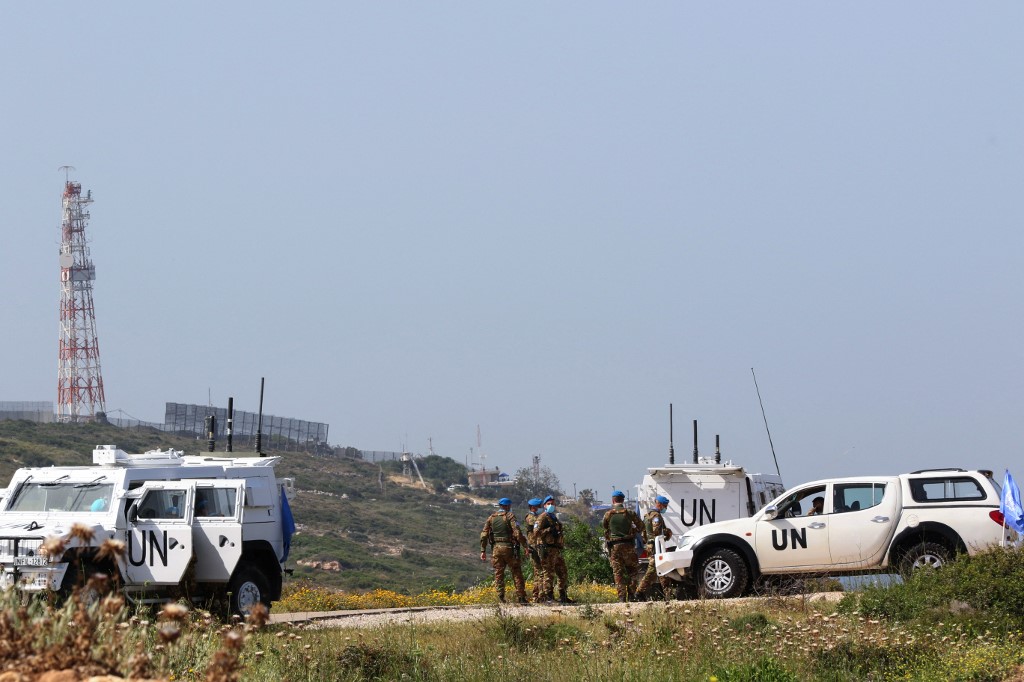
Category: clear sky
[550,220]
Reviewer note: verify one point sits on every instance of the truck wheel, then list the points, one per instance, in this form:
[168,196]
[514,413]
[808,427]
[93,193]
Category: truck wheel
[722,574]
[930,554]
[248,587]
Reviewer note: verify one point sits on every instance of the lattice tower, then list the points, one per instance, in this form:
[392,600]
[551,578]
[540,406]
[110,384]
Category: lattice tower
[79,380]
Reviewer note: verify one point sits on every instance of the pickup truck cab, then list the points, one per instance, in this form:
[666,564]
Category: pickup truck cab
[840,527]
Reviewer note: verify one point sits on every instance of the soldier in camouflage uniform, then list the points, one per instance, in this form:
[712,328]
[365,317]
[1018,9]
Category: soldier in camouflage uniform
[621,527]
[654,525]
[501,531]
[532,545]
[549,532]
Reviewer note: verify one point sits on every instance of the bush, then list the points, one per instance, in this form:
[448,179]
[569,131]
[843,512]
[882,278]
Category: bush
[583,556]
[991,582]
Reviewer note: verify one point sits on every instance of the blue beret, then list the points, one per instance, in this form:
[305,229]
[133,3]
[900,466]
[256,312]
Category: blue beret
[618,493]
[662,499]
[534,502]
[504,502]
[547,499]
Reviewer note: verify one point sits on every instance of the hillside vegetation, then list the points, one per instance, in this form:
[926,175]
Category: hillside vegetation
[396,535]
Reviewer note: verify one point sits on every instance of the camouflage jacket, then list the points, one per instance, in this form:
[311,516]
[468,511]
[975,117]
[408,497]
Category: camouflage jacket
[529,524]
[501,527]
[654,525]
[548,531]
[621,524]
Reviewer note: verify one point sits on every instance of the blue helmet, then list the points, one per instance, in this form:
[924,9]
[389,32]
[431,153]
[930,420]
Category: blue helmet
[534,502]
[618,493]
[661,499]
[504,502]
[547,499]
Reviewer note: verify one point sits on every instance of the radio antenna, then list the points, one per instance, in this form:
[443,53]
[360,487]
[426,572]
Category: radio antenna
[765,422]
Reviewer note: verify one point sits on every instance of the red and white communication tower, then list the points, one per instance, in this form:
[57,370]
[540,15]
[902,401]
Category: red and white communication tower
[79,381]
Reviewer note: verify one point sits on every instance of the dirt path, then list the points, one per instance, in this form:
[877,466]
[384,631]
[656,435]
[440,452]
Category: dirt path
[371,618]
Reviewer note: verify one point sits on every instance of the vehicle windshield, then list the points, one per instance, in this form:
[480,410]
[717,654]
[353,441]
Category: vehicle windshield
[63,496]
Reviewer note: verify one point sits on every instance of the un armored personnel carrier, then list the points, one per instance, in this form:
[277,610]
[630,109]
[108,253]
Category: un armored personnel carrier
[161,524]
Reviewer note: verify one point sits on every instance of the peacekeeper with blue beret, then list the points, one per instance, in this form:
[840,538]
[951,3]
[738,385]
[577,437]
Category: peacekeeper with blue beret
[654,525]
[621,526]
[549,532]
[501,531]
[532,545]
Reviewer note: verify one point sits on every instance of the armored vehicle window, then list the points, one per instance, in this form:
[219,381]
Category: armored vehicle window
[163,504]
[946,489]
[848,497]
[62,496]
[214,502]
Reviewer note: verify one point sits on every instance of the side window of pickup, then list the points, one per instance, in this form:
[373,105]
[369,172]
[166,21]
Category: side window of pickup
[850,497]
[945,489]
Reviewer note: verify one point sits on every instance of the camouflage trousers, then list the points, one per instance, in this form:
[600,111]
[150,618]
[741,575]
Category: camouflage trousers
[624,563]
[538,574]
[554,567]
[503,555]
[668,586]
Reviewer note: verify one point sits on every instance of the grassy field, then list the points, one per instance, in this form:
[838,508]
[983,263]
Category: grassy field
[765,640]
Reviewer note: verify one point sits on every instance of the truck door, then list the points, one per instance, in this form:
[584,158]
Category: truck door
[217,529]
[158,536]
[798,536]
[862,521]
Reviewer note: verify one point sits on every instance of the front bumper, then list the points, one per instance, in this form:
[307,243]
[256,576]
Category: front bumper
[670,562]
[32,578]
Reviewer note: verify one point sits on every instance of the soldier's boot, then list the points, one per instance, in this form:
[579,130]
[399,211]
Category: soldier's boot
[501,597]
[564,598]
[522,599]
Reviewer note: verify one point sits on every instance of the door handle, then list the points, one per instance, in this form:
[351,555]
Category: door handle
[881,519]
[817,524]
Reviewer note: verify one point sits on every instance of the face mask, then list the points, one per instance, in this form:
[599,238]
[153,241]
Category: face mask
[550,509]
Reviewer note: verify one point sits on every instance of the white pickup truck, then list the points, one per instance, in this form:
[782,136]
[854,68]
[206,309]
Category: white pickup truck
[840,527]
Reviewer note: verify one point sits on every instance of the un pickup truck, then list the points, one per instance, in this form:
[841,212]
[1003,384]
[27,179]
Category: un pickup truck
[840,527]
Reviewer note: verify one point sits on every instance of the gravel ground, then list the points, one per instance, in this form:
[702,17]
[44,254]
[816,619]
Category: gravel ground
[372,618]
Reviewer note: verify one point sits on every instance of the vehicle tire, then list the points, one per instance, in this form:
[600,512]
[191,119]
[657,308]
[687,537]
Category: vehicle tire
[248,587]
[722,574]
[922,554]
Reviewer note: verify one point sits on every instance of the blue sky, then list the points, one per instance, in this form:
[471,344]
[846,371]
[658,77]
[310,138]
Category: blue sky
[548,220]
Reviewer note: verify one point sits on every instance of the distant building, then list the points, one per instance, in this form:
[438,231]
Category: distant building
[489,478]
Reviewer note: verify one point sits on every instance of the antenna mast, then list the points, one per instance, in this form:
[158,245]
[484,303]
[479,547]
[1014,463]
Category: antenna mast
[79,379]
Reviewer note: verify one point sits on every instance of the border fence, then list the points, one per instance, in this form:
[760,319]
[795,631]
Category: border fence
[191,419]
[34,411]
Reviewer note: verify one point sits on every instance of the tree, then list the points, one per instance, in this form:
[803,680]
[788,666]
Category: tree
[528,484]
[583,556]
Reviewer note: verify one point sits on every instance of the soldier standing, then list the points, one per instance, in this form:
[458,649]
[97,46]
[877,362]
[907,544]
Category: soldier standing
[549,532]
[532,546]
[501,531]
[654,525]
[621,527]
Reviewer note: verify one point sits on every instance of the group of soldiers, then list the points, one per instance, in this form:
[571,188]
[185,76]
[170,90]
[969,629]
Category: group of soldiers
[543,539]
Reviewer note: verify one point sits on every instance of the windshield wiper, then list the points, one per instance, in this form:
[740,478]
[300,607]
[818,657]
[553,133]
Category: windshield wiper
[90,484]
[56,481]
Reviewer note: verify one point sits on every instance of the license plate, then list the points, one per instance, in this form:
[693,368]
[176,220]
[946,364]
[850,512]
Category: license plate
[30,561]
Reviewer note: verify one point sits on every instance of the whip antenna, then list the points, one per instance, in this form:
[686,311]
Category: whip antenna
[765,422]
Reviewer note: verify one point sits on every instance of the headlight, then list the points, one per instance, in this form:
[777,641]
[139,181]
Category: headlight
[687,542]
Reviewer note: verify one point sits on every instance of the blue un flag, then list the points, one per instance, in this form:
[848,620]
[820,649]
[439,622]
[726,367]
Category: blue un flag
[1010,504]
[288,523]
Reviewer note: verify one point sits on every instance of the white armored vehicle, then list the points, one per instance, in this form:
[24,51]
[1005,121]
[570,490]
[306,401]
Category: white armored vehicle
[705,490]
[196,527]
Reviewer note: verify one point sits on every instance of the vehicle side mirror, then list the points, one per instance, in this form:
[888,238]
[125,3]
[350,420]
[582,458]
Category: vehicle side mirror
[770,512]
[133,512]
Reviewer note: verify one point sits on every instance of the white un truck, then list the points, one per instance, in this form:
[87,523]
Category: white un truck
[842,526]
[202,528]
